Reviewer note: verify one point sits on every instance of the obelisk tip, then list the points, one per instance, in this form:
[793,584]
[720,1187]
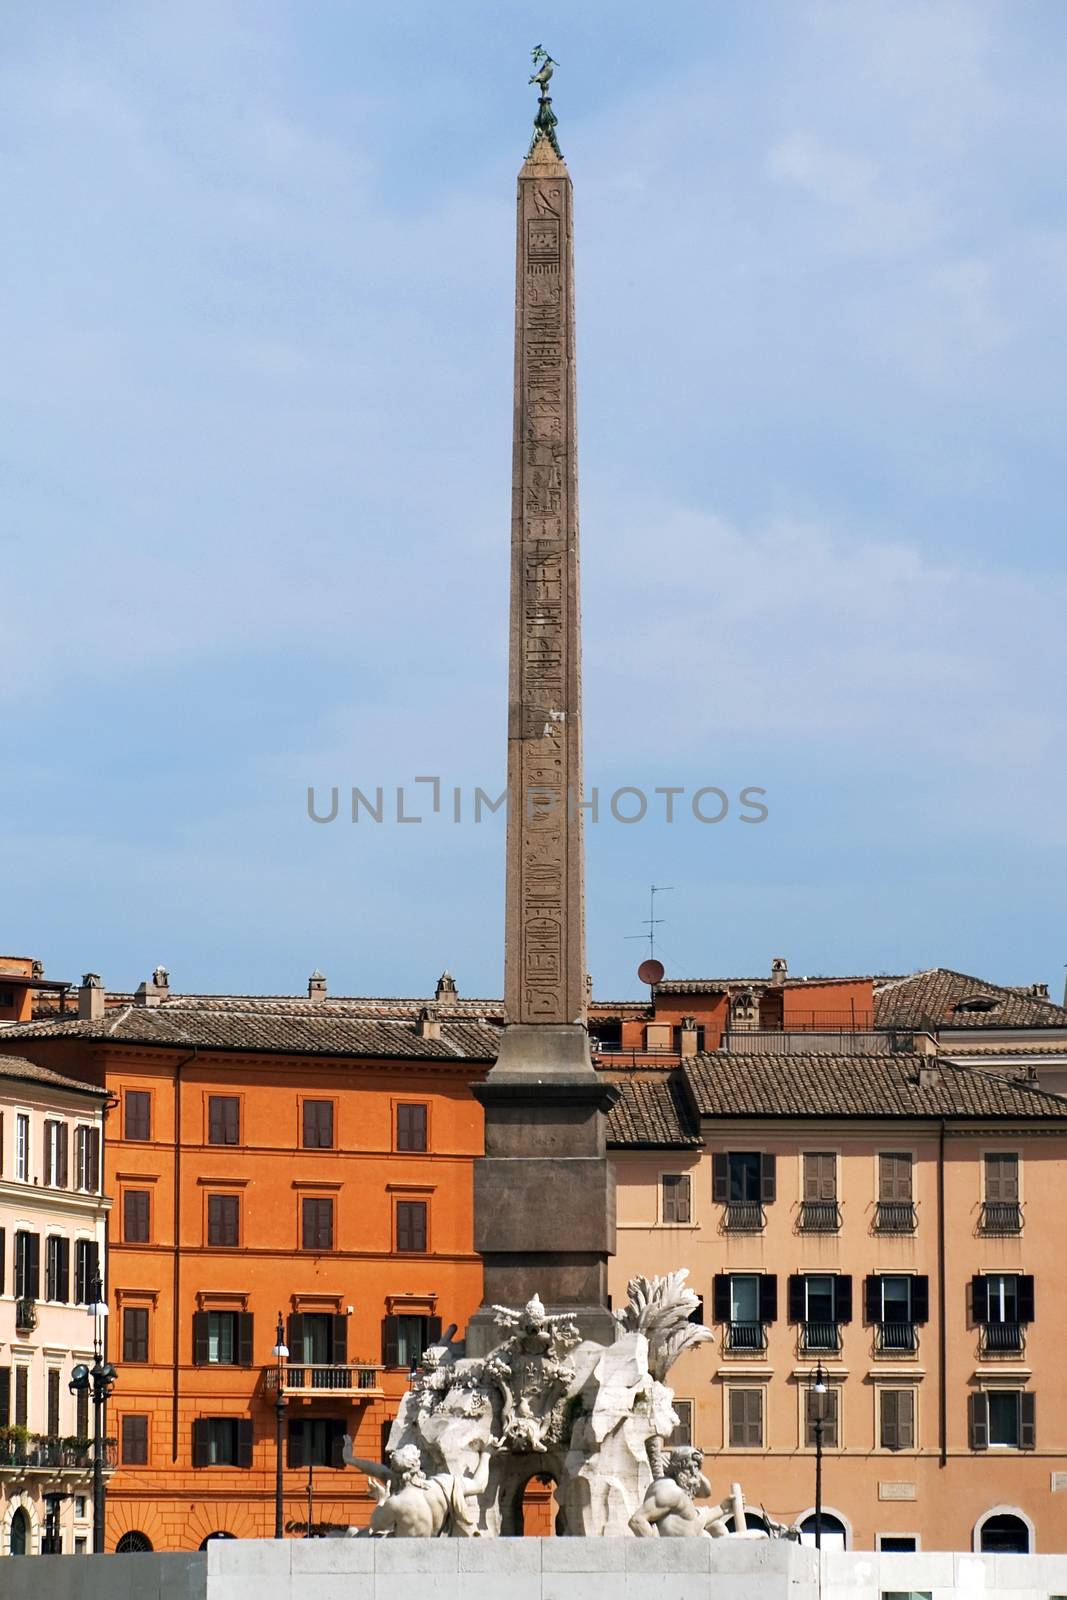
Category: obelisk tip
[545,120]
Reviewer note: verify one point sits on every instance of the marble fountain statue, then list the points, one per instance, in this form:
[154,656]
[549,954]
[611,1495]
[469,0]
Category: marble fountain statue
[543,1404]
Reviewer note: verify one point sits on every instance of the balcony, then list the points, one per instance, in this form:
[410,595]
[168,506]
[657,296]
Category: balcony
[1001,1216]
[1002,1339]
[896,1338]
[819,1216]
[359,1380]
[744,1338]
[823,1338]
[25,1314]
[744,1216]
[895,1216]
[22,1452]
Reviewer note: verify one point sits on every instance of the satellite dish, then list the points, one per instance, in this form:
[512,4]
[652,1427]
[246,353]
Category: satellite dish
[651,972]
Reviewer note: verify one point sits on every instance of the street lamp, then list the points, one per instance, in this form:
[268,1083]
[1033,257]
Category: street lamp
[97,1381]
[280,1354]
[817,1402]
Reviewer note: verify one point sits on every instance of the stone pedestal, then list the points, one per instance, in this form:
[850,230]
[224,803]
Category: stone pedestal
[544,1193]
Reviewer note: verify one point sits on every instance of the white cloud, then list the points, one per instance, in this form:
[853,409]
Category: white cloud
[868,219]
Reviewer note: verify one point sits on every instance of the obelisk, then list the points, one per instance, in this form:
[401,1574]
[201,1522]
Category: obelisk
[544,1195]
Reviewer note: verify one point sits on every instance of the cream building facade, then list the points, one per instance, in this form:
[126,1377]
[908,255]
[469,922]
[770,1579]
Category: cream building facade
[52,1237]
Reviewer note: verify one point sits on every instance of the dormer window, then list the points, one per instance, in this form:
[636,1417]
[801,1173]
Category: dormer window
[977,1003]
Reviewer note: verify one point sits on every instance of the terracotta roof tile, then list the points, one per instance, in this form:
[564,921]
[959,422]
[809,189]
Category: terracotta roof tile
[933,999]
[653,1113]
[23,1071]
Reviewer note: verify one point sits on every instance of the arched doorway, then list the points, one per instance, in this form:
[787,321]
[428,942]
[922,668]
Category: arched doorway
[833,1533]
[221,1534]
[19,1536]
[753,1522]
[1004,1533]
[535,1512]
[133,1543]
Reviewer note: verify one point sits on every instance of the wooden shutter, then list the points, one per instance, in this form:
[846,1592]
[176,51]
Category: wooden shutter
[720,1177]
[1027,1420]
[720,1297]
[63,1156]
[49,1267]
[797,1298]
[32,1290]
[81,1414]
[3,1253]
[843,1297]
[820,1175]
[53,1401]
[318,1124]
[668,1184]
[201,1442]
[979,1298]
[889,1414]
[978,1418]
[5,1397]
[61,1288]
[872,1298]
[337,1443]
[746,1418]
[201,1338]
[1024,1291]
[46,1163]
[411,1126]
[135,1333]
[768,1181]
[22,1396]
[339,1342]
[433,1330]
[920,1298]
[906,1418]
[244,1442]
[135,1216]
[295,1445]
[829,1419]
[390,1341]
[768,1297]
[684,1198]
[894,1176]
[94,1160]
[1002,1177]
[138,1115]
[245,1345]
[411,1225]
[294,1337]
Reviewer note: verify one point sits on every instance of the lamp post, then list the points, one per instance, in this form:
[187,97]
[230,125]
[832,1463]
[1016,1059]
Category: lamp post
[817,1392]
[97,1381]
[280,1354]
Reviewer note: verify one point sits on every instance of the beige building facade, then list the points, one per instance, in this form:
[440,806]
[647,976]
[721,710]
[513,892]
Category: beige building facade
[52,1236]
[893,1223]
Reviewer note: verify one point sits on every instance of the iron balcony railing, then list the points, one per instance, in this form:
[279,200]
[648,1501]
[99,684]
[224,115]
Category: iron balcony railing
[51,1452]
[820,1216]
[315,1378]
[895,1338]
[1003,1338]
[820,1336]
[895,1216]
[745,1336]
[744,1216]
[1001,1216]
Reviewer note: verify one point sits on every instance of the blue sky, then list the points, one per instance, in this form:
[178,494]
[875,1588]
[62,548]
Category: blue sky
[256,301]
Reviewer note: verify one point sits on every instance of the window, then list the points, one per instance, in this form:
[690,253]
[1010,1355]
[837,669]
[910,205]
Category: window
[897,1543]
[53,1402]
[316,1223]
[137,1114]
[55,1154]
[746,1419]
[1001,1210]
[1003,1533]
[134,1438]
[135,1333]
[405,1337]
[135,1216]
[223,1119]
[19,1533]
[1003,1419]
[410,1127]
[318,1124]
[81,1545]
[675,1192]
[818,1207]
[57,1269]
[833,1535]
[222,1442]
[895,1212]
[133,1543]
[1001,1304]
[22,1147]
[80,1504]
[411,1225]
[820,1302]
[743,1181]
[321,1340]
[222,1338]
[87,1159]
[85,1268]
[683,1433]
[830,1404]
[895,1303]
[896,1419]
[27,1266]
[223,1219]
[316,1442]
[746,1302]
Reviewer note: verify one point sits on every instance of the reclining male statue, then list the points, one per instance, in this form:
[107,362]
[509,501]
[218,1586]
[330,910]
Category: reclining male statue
[414,1506]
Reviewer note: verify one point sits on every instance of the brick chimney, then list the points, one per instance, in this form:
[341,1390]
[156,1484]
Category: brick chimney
[157,988]
[316,986]
[779,969]
[428,1023]
[446,990]
[92,997]
[688,1036]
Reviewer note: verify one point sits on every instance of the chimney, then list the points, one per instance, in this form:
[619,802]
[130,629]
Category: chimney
[779,969]
[929,1073]
[155,990]
[688,1036]
[1039,991]
[316,986]
[924,1044]
[428,1023]
[92,997]
[446,990]
[161,979]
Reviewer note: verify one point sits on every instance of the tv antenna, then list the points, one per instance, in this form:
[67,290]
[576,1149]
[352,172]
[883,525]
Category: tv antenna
[651,971]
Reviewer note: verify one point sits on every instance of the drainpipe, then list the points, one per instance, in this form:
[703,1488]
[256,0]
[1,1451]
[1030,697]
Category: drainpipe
[942,1379]
[176,1287]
